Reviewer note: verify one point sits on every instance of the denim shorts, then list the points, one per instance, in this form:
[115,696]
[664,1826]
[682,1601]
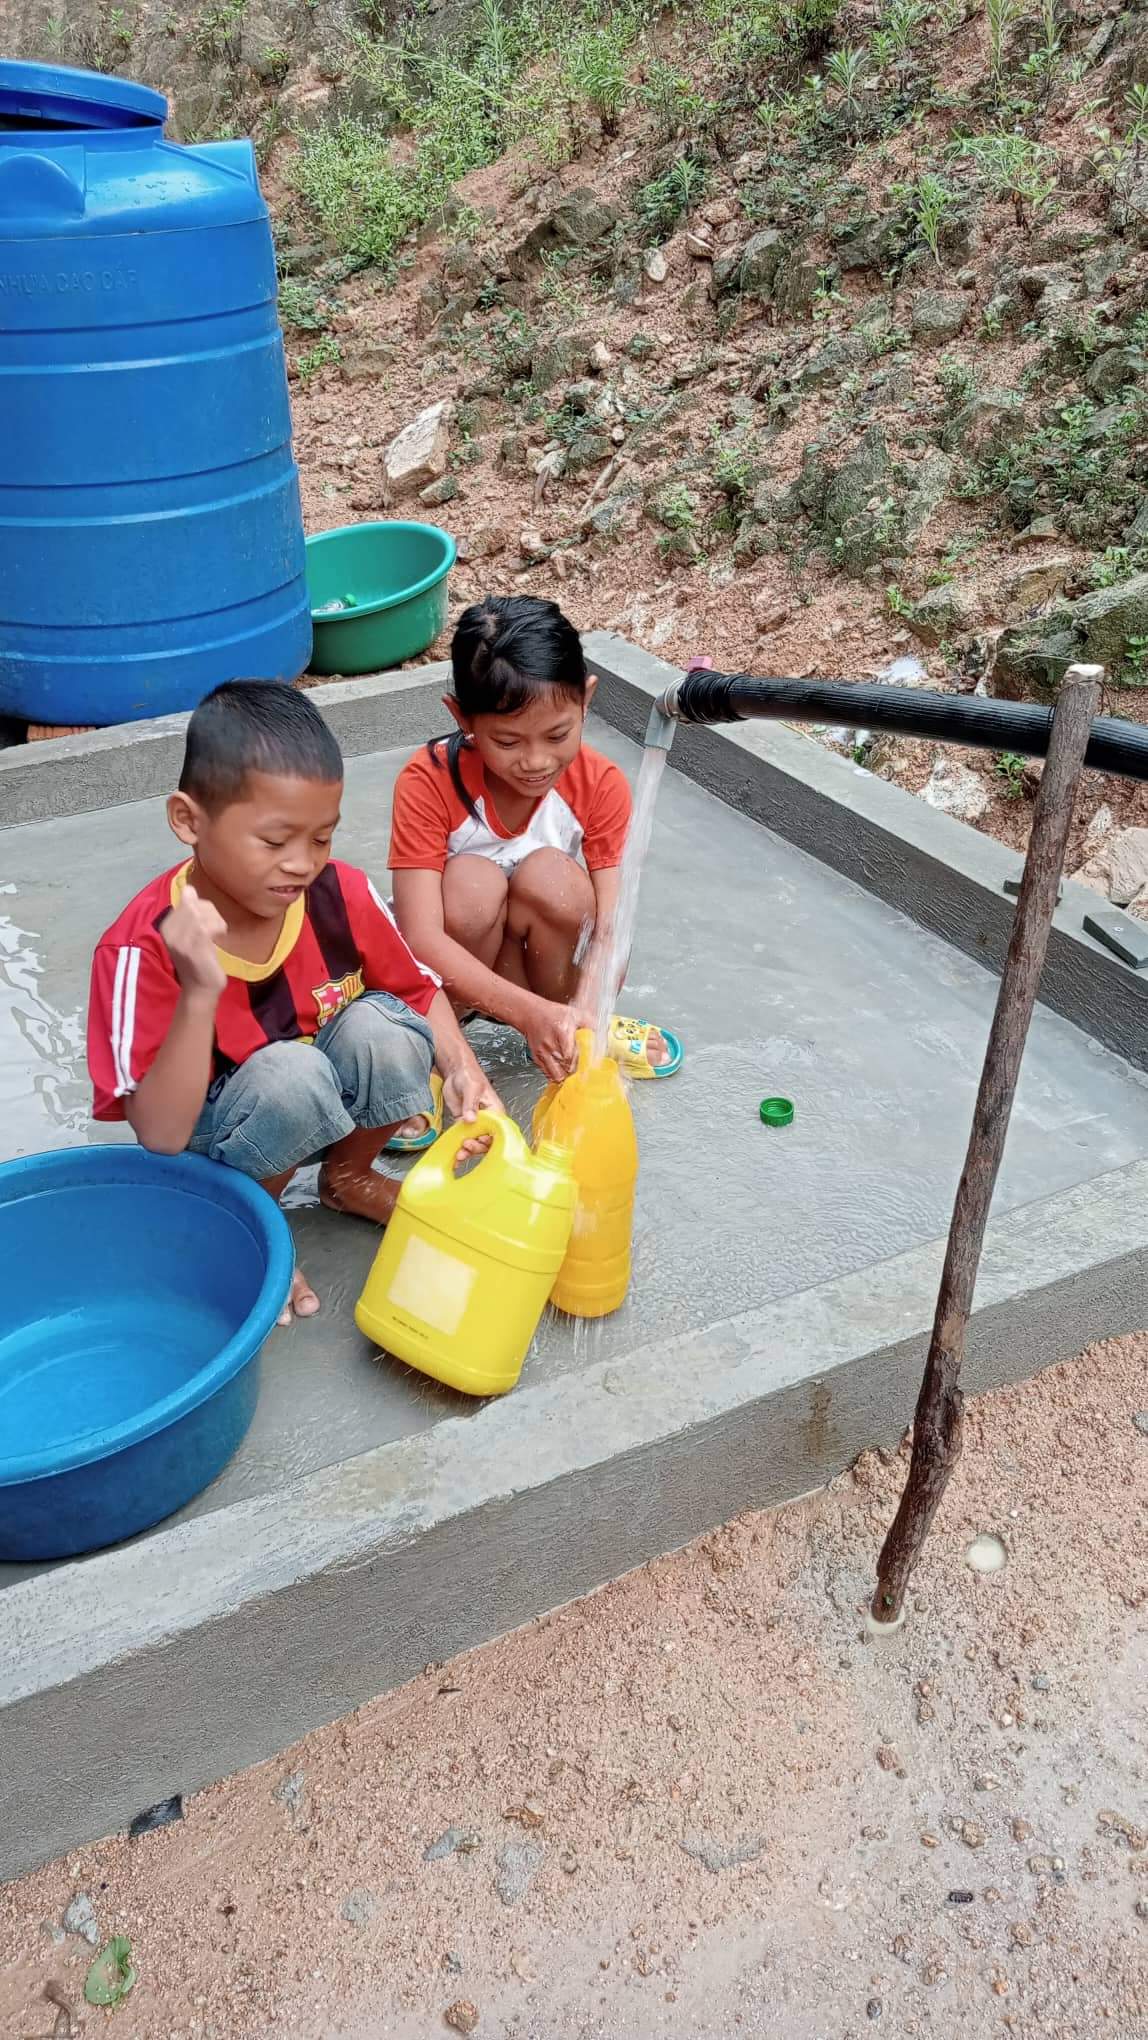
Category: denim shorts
[368,1067]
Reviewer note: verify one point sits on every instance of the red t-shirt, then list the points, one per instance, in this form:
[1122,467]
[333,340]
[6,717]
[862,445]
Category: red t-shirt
[337,941]
[586,812]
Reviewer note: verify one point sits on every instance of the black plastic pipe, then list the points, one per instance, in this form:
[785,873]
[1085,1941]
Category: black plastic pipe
[971,719]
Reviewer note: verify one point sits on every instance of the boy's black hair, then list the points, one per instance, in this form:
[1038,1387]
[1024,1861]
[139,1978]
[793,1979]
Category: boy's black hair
[506,650]
[254,726]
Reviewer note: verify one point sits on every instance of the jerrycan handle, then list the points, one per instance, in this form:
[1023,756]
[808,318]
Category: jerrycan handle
[437,1165]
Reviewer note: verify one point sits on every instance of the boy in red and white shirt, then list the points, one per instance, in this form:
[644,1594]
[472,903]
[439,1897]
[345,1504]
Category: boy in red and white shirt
[257,1004]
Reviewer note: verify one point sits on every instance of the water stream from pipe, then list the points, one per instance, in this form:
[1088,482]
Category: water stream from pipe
[616,957]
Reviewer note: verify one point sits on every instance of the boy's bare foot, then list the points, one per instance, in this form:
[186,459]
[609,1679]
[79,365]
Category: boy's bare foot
[302,1301]
[348,1186]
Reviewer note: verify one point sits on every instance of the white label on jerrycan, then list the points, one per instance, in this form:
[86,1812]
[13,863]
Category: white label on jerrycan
[431,1285]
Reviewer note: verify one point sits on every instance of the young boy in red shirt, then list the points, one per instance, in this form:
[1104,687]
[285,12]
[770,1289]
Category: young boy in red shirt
[257,1004]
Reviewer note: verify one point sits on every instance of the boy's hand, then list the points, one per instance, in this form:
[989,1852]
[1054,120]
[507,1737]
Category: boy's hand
[550,1033]
[191,931]
[466,1092]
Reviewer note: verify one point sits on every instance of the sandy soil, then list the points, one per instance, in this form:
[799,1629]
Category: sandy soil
[701,1802]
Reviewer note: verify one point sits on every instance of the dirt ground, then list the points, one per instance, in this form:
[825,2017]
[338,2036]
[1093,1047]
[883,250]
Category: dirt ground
[702,1801]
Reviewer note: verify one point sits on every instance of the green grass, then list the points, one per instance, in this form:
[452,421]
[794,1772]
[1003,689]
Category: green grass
[525,69]
[663,203]
[1013,167]
[1009,767]
[1083,474]
[347,177]
[324,354]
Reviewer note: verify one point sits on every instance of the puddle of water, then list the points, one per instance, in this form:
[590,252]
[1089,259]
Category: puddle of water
[44,1098]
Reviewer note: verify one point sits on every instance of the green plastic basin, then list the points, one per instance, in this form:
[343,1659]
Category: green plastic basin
[391,579]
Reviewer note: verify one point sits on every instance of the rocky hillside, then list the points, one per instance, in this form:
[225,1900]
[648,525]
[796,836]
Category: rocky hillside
[810,335]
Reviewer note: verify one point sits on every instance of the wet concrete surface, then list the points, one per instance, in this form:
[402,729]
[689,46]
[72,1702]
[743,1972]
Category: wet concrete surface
[780,976]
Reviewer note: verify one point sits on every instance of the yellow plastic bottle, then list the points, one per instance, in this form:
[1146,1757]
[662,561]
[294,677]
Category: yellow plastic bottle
[589,1114]
[467,1262]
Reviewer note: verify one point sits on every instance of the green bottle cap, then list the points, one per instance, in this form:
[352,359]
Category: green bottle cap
[776,1111]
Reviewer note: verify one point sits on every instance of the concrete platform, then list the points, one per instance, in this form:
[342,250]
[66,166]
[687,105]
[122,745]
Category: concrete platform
[783,1281]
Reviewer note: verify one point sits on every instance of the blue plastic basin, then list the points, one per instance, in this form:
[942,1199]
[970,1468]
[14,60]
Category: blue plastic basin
[137,1292]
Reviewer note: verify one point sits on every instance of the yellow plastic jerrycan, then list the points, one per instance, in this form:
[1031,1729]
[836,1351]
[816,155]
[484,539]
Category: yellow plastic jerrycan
[589,1114]
[467,1262]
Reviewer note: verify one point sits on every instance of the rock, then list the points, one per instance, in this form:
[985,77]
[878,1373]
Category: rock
[1036,533]
[1126,853]
[1105,620]
[359,1907]
[1099,830]
[586,450]
[610,517]
[455,1841]
[518,1865]
[956,790]
[562,356]
[859,513]
[871,241]
[1037,583]
[989,421]
[1100,268]
[655,267]
[436,493]
[1141,1422]
[699,247]
[928,488]
[261,48]
[833,362]
[488,540]
[937,316]
[600,358]
[290,1792]
[579,220]
[1123,1829]
[892,383]
[80,1918]
[1098,42]
[462,2016]
[725,273]
[418,454]
[365,360]
[1113,371]
[943,612]
[581,397]
[795,286]
[715,1856]
[760,260]
[1032,659]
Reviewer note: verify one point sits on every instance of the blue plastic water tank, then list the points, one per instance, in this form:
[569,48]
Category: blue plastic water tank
[151,540]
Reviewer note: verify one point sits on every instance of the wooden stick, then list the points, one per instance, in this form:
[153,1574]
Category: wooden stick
[938,1418]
